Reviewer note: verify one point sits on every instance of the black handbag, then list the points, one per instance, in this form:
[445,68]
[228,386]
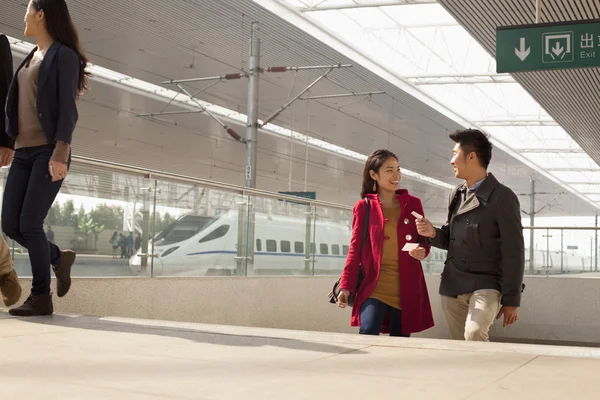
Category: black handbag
[333,296]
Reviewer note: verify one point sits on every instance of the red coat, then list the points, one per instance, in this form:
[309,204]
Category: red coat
[416,308]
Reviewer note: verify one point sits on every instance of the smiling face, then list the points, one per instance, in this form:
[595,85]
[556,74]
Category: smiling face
[461,162]
[389,175]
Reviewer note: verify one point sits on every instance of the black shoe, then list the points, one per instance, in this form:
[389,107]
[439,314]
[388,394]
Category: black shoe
[34,305]
[63,272]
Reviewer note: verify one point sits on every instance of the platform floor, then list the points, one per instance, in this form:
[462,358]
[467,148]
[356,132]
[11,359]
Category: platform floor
[77,357]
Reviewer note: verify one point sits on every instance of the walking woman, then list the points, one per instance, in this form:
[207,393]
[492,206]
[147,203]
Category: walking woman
[41,113]
[392,296]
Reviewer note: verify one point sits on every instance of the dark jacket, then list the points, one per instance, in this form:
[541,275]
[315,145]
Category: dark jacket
[416,308]
[57,90]
[6,75]
[484,239]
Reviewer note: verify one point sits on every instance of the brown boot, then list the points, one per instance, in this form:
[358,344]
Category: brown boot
[10,288]
[63,272]
[34,305]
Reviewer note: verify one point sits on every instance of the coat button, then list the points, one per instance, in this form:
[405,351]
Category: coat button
[406,221]
[464,261]
[408,237]
[468,222]
[452,239]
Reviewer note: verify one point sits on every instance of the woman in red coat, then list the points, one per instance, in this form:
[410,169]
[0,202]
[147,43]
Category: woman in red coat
[393,295]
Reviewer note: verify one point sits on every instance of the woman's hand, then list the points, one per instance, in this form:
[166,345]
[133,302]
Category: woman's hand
[343,298]
[418,254]
[58,170]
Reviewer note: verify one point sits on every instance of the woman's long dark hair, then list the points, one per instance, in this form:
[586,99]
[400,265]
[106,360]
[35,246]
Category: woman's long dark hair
[374,163]
[61,28]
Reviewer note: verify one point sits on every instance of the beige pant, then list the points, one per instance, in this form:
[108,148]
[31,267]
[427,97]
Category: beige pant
[6,264]
[470,316]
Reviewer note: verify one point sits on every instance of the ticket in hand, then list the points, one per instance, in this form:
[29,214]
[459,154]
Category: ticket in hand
[416,215]
[410,246]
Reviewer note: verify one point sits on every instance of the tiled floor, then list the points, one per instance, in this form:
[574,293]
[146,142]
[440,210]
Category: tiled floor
[74,357]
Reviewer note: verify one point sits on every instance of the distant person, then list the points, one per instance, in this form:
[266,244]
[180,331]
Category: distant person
[393,295]
[483,274]
[41,115]
[123,245]
[114,242]
[50,234]
[138,242]
[130,244]
[10,287]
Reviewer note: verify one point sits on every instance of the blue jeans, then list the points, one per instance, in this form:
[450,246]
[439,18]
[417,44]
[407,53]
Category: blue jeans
[28,196]
[372,315]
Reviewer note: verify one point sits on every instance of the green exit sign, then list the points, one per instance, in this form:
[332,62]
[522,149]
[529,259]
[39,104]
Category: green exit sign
[548,46]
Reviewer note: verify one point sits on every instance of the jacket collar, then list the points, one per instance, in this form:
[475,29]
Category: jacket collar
[401,195]
[46,63]
[45,67]
[484,190]
[471,200]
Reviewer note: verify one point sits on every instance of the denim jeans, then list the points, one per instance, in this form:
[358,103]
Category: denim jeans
[28,196]
[372,315]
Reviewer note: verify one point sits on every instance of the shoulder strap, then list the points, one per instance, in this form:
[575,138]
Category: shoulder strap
[366,225]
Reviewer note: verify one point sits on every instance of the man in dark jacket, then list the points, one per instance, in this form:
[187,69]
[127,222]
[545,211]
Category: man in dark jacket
[483,274]
[9,282]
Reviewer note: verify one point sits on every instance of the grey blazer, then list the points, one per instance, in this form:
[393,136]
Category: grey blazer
[484,239]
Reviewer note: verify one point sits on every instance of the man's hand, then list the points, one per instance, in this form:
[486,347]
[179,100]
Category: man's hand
[418,254]
[343,298]
[511,315]
[6,156]
[425,228]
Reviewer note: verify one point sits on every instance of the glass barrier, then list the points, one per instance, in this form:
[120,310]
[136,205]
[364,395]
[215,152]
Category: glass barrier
[125,222]
[562,251]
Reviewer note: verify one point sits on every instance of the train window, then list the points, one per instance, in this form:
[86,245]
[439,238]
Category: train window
[299,247]
[335,249]
[286,247]
[183,229]
[216,234]
[345,250]
[258,245]
[324,248]
[272,246]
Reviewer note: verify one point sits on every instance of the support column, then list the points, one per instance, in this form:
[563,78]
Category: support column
[596,245]
[251,145]
[252,122]
[531,224]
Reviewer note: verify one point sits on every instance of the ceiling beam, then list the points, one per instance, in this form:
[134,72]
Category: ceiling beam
[326,7]
[549,150]
[572,169]
[458,79]
[516,122]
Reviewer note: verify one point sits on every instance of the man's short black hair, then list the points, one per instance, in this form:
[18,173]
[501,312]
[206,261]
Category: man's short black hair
[474,140]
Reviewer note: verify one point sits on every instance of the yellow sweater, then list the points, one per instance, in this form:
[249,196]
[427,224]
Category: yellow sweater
[388,284]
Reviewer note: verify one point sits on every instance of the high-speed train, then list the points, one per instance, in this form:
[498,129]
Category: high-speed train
[204,245]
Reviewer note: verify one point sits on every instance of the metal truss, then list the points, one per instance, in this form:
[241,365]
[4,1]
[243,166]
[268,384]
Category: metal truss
[329,5]
[459,79]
